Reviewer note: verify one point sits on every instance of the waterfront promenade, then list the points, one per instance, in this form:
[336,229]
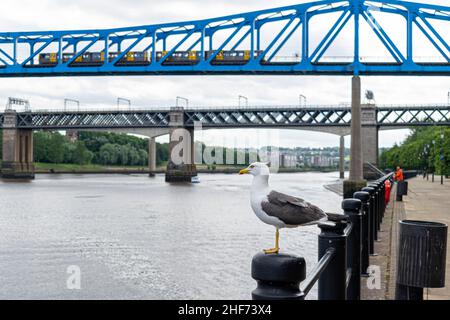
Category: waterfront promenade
[426,201]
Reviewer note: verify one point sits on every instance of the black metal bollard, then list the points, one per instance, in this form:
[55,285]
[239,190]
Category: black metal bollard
[421,258]
[377,207]
[365,198]
[381,202]
[371,219]
[382,199]
[333,281]
[278,276]
[352,208]
[375,211]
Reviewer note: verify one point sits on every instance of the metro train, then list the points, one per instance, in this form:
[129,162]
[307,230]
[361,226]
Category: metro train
[142,58]
[93,59]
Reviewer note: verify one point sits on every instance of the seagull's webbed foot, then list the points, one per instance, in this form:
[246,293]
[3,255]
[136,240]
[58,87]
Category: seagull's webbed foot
[275,250]
[272,251]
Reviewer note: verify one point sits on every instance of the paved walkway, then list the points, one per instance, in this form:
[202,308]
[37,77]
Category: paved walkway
[385,255]
[431,202]
[426,201]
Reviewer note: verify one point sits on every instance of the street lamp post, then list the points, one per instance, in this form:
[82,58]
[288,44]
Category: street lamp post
[127,101]
[302,98]
[442,157]
[67,101]
[434,163]
[245,99]
[427,155]
[182,99]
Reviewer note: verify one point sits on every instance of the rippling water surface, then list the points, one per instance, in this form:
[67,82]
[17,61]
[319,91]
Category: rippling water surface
[139,238]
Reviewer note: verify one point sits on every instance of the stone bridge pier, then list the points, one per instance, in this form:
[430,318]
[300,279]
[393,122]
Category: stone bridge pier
[181,166]
[17,162]
[369,134]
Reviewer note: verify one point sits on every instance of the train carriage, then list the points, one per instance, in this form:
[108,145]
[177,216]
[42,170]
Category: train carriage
[93,59]
[142,58]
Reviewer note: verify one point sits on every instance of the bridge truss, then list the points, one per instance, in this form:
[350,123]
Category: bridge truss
[263,35]
[267,117]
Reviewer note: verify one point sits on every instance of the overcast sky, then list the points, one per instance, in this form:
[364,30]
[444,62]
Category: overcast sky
[28,15]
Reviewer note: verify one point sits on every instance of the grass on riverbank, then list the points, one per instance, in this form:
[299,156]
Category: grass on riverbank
[95,168]
[67,167]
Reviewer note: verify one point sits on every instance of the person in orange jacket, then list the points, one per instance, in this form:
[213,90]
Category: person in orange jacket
[399,175]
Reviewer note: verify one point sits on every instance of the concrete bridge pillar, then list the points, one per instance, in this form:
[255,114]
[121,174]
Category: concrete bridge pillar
[342,158]
[355,182]
[181,166]
[152,156]
[370,149]
[356,166]
[17,162]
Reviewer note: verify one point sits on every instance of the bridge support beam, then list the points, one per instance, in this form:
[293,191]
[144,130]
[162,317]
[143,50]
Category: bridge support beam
[370,149]
[152,156]
[355,182]
[356,161]
[17,162]
[181,166]
[342,158]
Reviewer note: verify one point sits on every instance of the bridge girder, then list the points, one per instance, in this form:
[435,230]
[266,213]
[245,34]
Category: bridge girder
[326,119]
[19,51]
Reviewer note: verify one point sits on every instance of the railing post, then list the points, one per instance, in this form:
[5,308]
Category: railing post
[365,198]
[352,208]
[376,204]
[381,186]
[371,219]
[278,276]
[332,282]
[383,197]
[377,187]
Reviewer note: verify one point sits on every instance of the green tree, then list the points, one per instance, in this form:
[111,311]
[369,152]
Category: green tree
[82,155]
[108,154]
[418,152]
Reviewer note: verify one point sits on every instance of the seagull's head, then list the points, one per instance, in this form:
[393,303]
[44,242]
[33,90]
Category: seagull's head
[257,169]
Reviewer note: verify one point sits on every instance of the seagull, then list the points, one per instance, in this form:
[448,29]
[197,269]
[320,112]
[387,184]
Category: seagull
[278,209]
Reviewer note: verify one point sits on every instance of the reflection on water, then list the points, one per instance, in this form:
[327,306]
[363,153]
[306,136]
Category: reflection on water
[139,238]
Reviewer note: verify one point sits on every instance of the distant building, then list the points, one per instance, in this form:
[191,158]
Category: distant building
[288,161]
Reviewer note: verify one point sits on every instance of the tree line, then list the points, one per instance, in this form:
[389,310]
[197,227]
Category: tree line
[93,148]
[426,148]
[111,149]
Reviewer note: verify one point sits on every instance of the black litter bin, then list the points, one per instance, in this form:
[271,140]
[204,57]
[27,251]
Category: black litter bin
[421,258]
[403,188]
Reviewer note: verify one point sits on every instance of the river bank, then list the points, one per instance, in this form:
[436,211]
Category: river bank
[46,168]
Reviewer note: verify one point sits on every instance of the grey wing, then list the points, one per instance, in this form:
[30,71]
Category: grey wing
[291,210]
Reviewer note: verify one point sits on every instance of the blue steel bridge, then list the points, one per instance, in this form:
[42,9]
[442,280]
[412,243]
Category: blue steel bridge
[385,117]
[245,43]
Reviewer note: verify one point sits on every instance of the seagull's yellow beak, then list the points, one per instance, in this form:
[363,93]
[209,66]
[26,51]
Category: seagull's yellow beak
[245,171]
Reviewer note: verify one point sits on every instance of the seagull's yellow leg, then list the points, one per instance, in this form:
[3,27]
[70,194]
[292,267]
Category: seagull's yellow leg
[275,250]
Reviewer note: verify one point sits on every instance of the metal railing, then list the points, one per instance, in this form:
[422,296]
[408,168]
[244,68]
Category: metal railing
[345,246]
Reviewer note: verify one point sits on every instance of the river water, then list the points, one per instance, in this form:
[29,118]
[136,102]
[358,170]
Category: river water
[135,237]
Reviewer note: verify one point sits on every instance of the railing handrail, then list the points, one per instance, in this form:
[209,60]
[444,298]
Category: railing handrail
[317,271]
